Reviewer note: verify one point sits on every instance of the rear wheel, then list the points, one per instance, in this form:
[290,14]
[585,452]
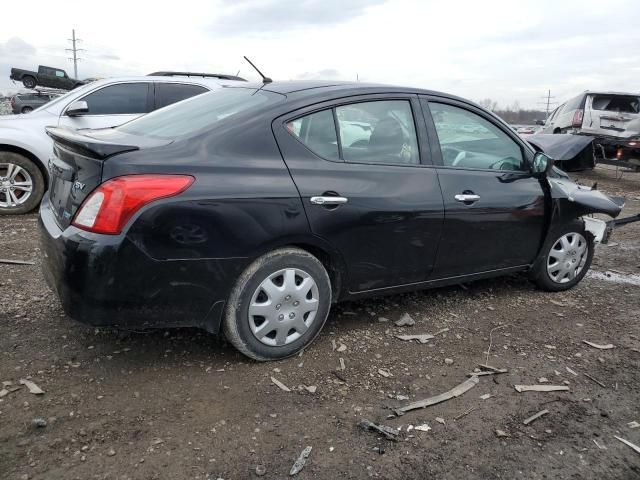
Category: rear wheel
[278,305]
[21,184]
[565,258]
[26,109]
[29,81]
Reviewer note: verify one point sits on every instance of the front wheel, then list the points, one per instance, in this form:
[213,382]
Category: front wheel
[278,305]
[565,258]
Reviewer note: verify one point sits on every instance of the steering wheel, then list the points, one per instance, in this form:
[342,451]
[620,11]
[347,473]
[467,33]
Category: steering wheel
[449,153]
[506,163]
[461,156]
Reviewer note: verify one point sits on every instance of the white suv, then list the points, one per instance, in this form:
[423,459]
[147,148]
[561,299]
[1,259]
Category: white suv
[25,147]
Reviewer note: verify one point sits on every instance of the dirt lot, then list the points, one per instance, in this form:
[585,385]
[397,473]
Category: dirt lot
[182,404]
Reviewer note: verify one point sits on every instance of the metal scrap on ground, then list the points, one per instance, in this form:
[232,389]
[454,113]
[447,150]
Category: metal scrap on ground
[628,443]
[595,380]
[541,388]
[427,402]
[389,432]
[608,346]
[423,338]
[300,462]
[633,424]
[280,385]
[9,261]
[33,388]
[533,418]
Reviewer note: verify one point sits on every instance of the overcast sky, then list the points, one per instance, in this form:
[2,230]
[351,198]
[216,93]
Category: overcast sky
[505,50]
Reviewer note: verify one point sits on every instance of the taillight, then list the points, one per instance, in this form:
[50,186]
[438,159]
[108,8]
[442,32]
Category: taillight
[112,204]
[619,154]
[577,118]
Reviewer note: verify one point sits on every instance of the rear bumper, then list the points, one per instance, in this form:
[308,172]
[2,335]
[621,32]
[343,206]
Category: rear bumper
[106,280]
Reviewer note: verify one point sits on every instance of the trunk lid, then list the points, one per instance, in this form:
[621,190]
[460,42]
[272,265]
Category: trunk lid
[75,168]
[616,115]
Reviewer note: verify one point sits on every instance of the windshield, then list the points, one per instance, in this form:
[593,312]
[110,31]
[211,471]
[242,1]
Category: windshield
[199,112]
[64,97]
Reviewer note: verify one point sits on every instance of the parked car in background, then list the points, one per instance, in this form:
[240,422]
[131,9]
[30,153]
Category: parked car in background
[49,77]
[613,118]
[27,102]
[251,209]
[25,147]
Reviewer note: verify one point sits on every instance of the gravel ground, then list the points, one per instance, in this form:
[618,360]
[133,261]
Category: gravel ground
[183,404]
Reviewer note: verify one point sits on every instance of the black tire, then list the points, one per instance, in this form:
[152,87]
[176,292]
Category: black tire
[37,179]
[540,274]
[28,81]
[236,323]
[26,109]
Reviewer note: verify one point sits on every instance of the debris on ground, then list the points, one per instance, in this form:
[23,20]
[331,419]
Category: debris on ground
[465,413]
[636,448]
[501,433]
[389,432]
[633,424]
[601,447]
[280,385]
[448,361]
[571,371]
[39,422]
[533,418]
[496,371]
[310,389]
[543,380]
[300,462]
[422,428]
[486,396]
[33,388]
[9,261]
[261,470]
[608,346]
[385,373]
[405,321]
[342,366]
[595,380]
[427,402]
[440,420]
[422,338]
[341,348]
[541,388]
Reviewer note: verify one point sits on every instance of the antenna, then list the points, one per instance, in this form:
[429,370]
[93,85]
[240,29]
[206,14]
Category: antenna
[264,79]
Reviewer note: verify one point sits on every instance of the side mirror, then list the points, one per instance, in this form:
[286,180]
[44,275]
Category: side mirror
[541,164]
[77,108]
[539,122]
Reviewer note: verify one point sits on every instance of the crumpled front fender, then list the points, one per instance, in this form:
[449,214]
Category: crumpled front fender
[571,200]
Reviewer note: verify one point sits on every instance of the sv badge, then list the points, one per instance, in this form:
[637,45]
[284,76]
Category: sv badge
[78,186]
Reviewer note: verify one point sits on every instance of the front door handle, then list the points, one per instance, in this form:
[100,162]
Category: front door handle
[467,197]
[329,200]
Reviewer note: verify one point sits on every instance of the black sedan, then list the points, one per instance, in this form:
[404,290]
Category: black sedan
[252,209]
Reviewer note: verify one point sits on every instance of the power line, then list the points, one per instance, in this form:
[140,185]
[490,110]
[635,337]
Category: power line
[74,49]
[547,101]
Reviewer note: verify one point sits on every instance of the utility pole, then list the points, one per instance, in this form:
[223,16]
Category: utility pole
[74,50]
[547,102]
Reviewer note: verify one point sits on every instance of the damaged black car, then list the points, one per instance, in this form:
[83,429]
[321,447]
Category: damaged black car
[250,210]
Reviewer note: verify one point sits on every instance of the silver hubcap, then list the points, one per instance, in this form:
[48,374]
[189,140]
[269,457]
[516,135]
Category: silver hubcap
[16,185]
[283,307]
[567,258]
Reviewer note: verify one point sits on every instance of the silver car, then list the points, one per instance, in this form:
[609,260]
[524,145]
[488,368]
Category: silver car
[25,147]
[600,114]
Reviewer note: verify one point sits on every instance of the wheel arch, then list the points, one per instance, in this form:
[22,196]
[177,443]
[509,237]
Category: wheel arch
[4,147]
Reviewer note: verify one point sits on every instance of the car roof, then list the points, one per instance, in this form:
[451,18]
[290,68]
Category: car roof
[309,88]
[206,82]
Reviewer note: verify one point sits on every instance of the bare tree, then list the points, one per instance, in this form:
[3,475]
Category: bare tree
[489,104]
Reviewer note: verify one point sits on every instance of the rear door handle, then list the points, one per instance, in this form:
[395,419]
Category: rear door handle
[329,200]
[467,197]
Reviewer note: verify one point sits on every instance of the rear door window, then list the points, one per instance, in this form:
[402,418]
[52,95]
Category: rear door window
[616,103]
[168,93]
[119,99]
[468,140]
[378,132]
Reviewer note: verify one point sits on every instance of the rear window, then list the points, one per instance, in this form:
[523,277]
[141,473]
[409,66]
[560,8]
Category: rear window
[616,103]
[200,112]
